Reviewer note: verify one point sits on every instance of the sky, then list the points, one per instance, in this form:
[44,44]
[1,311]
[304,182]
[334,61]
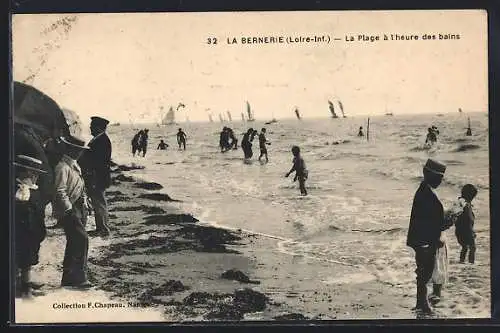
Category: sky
[133,67]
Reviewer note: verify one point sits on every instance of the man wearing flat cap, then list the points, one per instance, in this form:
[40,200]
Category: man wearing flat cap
[71,211]
[97,161]
[424,232]
[29,228]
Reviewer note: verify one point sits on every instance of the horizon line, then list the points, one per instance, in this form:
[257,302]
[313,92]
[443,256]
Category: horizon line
[389,114]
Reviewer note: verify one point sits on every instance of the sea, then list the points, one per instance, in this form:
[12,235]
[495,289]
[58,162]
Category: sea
[360,191]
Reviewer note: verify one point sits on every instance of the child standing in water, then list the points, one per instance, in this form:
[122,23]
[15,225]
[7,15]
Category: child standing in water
[462,215]
[299,166]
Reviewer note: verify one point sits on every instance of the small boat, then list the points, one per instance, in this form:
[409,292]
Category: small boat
[272,121]
[389,114]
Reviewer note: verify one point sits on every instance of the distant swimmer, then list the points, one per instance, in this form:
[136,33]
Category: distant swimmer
[142,143]
[431,136]
[262,144]
[181,139]
[246,143]
[234,141]
[360,132]
[252,136]
[162,145]
[135,142]
[224,140]
[299,166]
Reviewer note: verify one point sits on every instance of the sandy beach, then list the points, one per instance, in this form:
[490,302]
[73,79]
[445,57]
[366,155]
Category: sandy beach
[162,264]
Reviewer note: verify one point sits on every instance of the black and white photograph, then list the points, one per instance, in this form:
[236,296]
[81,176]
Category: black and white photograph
[250,166]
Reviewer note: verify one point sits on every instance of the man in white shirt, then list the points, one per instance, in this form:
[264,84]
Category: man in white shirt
[71,211]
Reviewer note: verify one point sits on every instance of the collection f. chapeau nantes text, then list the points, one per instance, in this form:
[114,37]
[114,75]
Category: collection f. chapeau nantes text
[99,305]
[327,39]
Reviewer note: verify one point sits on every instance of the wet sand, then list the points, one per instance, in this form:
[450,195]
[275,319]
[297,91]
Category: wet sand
[162,264]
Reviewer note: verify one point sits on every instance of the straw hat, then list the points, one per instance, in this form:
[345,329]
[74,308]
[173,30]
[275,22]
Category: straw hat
[72,142]
[29,163]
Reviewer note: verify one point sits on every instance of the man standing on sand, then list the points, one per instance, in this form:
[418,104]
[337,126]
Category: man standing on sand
[424,232]
[70,205]
[98,160]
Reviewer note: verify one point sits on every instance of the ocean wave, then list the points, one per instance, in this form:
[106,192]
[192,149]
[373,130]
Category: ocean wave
[466,147]
[422,147]
[388,231]
[453,162]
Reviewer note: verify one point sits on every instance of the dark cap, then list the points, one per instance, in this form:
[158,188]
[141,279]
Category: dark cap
[29,163]
[435,167]
[101,122]
[71,141]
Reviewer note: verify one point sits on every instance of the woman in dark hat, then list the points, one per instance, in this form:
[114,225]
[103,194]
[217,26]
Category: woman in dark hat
[70,205]
[424,232]
[29,230]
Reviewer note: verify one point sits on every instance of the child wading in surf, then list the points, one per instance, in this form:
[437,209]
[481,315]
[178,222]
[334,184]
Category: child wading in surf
[299,166]
[462,216]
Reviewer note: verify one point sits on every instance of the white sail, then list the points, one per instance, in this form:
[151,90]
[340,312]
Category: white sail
[210,118]
[220,118]
[169,117]
[332,109]
[242,116]
[297,114]
[249,112]
[342,109]
[229,116]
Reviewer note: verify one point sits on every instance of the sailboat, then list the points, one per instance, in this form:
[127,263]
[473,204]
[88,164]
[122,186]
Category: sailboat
[249,112]
[469,129]
[169,118]
[229,116]
[210,118]
[220,118]
[460,110]
[242,117]
[342,109]
[297,113]
[332,109]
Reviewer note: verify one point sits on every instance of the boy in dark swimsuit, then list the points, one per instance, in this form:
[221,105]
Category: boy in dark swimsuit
[299,166]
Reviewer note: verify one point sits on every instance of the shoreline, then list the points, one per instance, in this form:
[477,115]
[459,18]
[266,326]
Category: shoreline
[170,267]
